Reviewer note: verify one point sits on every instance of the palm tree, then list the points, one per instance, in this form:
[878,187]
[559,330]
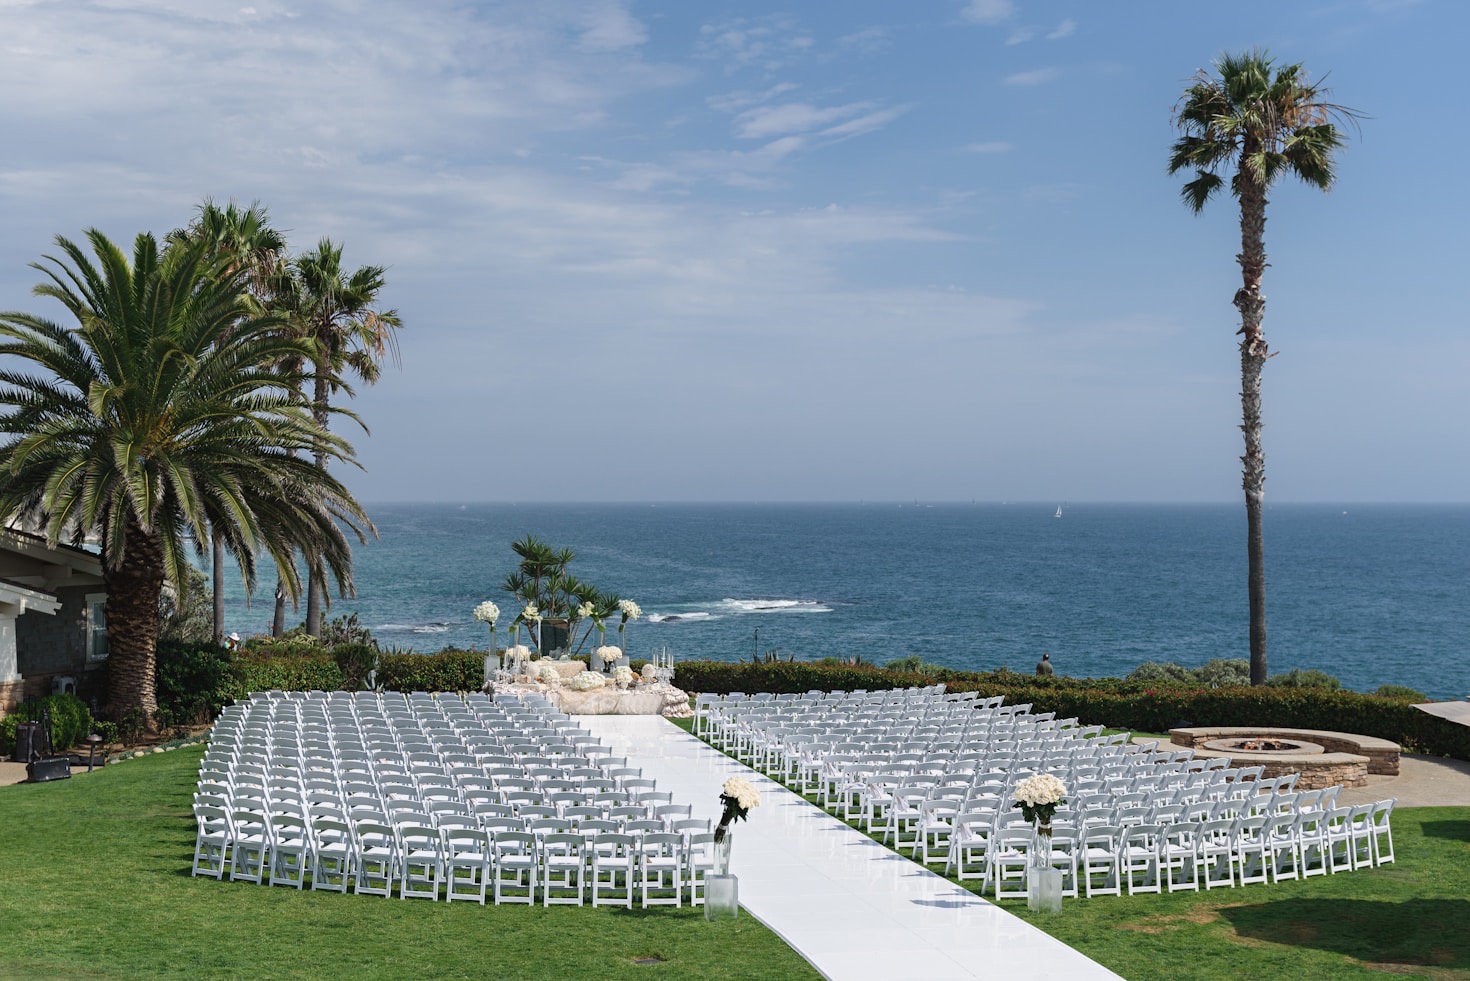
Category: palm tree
[242,239]
[336,312]
[1264,122]
[142,422]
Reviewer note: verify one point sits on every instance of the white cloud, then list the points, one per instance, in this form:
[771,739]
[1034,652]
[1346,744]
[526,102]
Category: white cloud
[990,146]
[988,12]
[792,117]
[769,42]
[1038,77]
[1065,29]
[869,40]
[609,26]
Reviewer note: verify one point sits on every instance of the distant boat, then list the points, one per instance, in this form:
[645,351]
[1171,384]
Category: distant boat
[1059,511]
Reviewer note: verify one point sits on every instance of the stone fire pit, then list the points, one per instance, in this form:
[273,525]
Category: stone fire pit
[1320,758]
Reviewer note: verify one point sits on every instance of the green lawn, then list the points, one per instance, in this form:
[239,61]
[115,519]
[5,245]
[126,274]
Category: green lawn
[1407,919]
[95,883]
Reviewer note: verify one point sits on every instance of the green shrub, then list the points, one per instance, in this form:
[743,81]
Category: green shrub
[354,660]
[254,670]
[192,682]
[1156,672]
[347,629]
[1297,678]
[7,733]
[71,721]
[1401,691]
[449,670]
[1221,672]
[293,643]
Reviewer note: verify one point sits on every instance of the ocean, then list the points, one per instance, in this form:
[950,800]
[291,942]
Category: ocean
[1373,594]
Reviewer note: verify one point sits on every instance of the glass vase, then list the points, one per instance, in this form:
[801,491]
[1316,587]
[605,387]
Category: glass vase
[1043,881]
[721,889]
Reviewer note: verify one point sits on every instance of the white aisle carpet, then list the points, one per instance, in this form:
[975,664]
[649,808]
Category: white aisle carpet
[850,906]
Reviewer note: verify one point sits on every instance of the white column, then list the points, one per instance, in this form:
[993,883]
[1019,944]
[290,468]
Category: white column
[9,670]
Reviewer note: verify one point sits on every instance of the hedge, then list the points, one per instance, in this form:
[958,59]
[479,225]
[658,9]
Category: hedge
[1116,702]
[449,670]
[71,721]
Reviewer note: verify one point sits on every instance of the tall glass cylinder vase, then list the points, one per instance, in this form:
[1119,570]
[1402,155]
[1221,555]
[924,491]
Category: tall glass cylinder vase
[1043,880]
[721,889]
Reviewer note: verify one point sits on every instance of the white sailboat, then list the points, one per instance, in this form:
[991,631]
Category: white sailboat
[1059,511]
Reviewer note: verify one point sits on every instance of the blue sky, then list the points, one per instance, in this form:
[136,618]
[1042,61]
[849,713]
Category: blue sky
[812,251]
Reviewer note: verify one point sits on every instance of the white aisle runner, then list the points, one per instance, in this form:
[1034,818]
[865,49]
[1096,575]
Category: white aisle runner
[851,907]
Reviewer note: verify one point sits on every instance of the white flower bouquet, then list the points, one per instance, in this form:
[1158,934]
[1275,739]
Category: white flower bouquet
[1039,796]
[622,676]
[738,797]
[586,681]
[487,612]
[607,655]
[548,675]
[530,614]
[629,610]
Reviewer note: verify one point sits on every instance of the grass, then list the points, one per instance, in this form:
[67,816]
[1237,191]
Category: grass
[1410,919]
[1407,919]
[96,885]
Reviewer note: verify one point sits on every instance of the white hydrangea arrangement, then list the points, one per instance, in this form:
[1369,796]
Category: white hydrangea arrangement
[623,676]
[548,675]
[487,612]
[1039,796]
[738,797]
[608,654]
[650,673]
[586,681]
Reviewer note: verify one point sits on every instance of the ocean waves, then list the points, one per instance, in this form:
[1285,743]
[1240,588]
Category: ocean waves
[738,607]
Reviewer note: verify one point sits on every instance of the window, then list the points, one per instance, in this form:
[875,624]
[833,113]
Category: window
[96,627]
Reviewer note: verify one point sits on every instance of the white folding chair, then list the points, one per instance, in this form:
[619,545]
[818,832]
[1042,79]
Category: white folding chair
[212,842]
[563,869]
[660,869]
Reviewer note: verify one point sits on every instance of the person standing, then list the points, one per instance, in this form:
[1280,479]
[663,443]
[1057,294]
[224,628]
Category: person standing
[1043,668]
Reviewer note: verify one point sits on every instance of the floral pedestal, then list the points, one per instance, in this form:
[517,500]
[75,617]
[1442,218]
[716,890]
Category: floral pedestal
[721,889]
[1043,881]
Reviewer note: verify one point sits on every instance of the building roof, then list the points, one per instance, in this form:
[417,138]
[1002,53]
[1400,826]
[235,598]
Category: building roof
[29,560]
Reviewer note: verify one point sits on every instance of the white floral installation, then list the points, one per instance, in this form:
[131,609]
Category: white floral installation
[622,676]
[607,655]
[487,612]
[629,611]
[738,798]
[1039,796]
[586,681]
[548,675]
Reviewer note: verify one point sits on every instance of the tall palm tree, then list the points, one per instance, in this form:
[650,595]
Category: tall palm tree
[337,313]
[243,240]
[1263,122]
[142,422]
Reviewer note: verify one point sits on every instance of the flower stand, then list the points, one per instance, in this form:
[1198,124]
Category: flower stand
[1044,890]
[721,897]
[721,889]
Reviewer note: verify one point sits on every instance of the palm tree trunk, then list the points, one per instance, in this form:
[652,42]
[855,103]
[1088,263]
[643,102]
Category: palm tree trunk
[314,584]
[218,575]
[1253,354]
[133,590]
